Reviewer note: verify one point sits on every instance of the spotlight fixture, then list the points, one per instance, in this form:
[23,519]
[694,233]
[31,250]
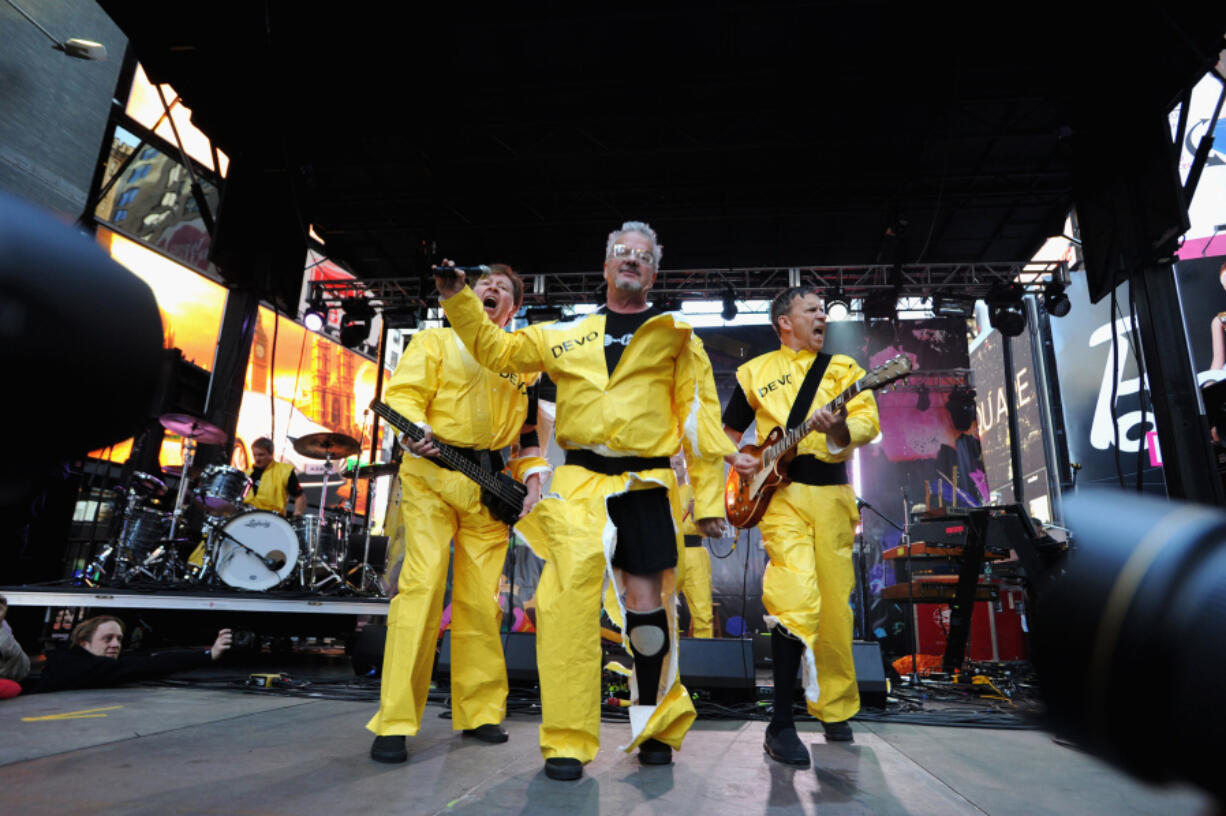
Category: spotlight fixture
[316,315]
[947,305]
[1055,301]
[881,305]
[923,402]
[837,307]
[355,325]
[314,320]
[1005,309]
[729,312]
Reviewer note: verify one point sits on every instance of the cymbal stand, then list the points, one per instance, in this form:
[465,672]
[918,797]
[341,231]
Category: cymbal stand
[189,454]
[368,580]
[167,554]
[312,563]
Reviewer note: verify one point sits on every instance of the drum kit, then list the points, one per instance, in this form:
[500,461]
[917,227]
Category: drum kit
[239,546]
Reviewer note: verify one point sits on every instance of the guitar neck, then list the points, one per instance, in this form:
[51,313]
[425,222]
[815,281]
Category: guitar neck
[446,454]
[792,437]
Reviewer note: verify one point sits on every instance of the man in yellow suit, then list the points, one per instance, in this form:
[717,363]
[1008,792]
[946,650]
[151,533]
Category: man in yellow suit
[634,384]
[273,483]
[809,527]
[477,412]
[695,581]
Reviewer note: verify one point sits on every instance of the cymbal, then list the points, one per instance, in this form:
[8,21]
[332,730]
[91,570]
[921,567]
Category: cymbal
[323,445]
[373,471]
[192,428]
[148,483]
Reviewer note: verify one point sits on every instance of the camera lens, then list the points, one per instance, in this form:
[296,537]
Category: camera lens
[1127,641]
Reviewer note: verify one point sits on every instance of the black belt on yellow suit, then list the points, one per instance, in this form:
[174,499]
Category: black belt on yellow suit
[808,469]
[613,465]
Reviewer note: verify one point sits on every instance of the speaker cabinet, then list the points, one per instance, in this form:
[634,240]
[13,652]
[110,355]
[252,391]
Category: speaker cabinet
[519,649]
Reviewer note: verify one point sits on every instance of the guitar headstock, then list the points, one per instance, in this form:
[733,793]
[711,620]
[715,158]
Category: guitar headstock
[890,371]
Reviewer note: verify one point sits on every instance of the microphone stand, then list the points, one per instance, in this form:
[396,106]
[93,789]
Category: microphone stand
[905,531]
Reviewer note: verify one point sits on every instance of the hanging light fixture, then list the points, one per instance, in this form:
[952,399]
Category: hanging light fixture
[837,307]
[729,311]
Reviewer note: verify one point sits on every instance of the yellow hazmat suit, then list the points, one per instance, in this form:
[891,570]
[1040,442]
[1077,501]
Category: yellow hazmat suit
[809,530]
[660,396]
[274,488]
[439,383]
[694,576]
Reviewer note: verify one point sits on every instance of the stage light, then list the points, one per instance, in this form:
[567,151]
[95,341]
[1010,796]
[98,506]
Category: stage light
[923,402]
[1005,309]
[837,307]
[946,305]
[355,324]
[1055,301]
[729,312]
[881,305]
[314,319]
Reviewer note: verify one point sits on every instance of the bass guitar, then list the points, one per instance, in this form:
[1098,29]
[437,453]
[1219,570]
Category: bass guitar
[499,492]
[746,500]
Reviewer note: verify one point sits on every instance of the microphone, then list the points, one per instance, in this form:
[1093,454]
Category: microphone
[449,271]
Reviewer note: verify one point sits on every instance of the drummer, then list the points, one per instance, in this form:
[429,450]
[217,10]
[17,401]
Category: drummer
[273,483]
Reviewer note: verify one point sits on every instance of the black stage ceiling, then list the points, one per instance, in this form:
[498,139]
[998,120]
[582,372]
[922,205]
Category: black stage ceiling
[750,134]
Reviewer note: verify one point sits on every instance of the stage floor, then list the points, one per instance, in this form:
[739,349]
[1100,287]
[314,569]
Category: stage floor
[160,749]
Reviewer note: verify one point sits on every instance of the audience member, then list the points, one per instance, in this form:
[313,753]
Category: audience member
[93,660]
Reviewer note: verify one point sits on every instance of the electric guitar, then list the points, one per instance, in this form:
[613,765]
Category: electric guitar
[746,500]
[499,492]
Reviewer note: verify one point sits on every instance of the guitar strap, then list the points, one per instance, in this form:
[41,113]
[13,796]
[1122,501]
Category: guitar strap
[808,389]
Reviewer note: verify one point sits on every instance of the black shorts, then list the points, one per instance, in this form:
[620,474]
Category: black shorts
[646,537]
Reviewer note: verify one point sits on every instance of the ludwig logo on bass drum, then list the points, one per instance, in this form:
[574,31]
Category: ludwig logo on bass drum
[257,523]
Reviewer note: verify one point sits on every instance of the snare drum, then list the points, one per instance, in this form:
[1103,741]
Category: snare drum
[143,531]
[322,539]
[256,550]
[222,489]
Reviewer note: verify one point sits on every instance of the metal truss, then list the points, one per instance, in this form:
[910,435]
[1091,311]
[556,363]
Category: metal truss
[961,280]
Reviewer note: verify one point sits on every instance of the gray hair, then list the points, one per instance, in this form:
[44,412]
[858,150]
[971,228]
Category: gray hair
[642,228]
[782,302]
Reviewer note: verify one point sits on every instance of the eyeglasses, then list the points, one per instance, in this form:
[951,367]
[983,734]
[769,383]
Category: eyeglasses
[643,256]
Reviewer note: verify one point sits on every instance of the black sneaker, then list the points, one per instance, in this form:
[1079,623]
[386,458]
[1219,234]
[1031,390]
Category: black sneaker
[490,732]
[785,746]
[838,732]
[389,749]
[654,752]
[563,768]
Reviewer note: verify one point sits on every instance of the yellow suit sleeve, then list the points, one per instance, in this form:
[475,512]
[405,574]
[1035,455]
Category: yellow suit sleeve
[524,466]
[863,421]
[702,430]
[492,347]
[415,381]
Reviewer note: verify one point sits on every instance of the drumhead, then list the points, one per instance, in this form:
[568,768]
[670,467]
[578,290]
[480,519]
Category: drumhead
[222,489]
[256,550]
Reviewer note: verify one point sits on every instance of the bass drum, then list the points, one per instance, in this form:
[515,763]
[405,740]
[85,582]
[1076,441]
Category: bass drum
[256,550]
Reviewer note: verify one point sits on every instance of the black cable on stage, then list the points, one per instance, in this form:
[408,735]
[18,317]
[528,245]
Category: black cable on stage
[731,550]
[524,702]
